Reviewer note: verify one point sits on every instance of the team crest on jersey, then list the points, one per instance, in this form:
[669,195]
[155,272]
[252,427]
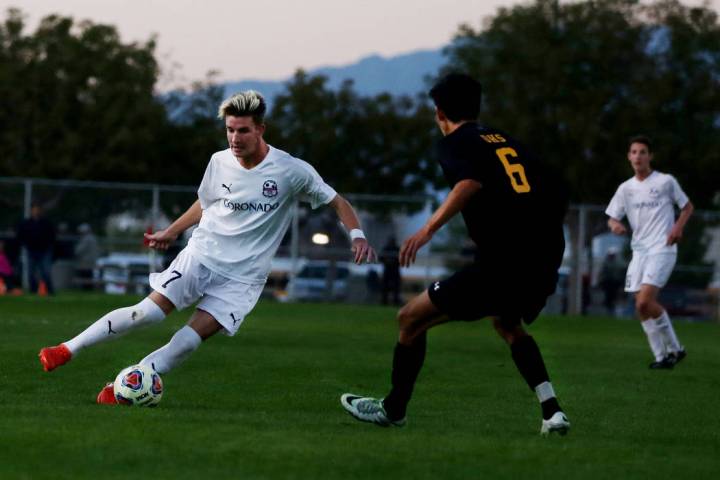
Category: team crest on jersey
[133,380]
[654,192]
[270,188]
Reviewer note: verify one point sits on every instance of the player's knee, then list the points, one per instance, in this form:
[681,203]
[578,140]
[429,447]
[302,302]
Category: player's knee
[508,329]
[147,311]
[404,317]
[643,306]
[161,301]
[407,325]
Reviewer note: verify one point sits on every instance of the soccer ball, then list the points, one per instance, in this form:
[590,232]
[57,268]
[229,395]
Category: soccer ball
[138,385]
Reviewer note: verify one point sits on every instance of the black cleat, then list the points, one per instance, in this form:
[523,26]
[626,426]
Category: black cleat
[667,363]
[679,356]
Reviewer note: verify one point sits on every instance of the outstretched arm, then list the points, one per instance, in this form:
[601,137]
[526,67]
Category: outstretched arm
[162,239]
[361,249]
[455,201]
[677,231]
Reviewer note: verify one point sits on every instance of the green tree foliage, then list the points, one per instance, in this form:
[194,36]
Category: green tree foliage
[378,145]
[576,80]
[76,101]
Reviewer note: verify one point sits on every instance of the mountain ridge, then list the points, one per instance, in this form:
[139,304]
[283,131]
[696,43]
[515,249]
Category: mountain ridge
[404,74]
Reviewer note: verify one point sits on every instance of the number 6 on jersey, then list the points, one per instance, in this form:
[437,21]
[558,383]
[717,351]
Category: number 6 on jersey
[512,168]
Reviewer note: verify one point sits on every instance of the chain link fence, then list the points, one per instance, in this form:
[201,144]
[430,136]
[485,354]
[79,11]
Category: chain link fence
[313,261]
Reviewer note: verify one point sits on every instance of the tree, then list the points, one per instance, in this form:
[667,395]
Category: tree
[76,101]
[576,80]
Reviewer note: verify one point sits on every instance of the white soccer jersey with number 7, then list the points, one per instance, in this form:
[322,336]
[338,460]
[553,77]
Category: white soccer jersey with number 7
[247,212]
[648,205]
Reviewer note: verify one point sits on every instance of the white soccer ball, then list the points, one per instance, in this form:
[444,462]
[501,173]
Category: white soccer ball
[138,385]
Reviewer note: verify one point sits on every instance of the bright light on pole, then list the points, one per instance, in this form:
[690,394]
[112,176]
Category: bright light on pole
[320,239]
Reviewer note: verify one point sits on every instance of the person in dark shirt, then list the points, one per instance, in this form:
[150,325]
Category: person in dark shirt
[391,280]
[37,235]
[513,207]
[612,277]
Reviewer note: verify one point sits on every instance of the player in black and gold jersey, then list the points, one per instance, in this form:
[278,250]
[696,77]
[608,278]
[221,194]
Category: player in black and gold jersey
[513,207]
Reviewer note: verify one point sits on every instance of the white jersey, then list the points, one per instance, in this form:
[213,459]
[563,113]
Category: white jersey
[648,205]
[247,212]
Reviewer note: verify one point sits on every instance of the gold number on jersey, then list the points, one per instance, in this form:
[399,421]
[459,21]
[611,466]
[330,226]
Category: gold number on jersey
[521,186]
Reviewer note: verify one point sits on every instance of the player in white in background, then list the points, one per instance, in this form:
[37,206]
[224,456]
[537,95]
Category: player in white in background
[647,199]
[244,208]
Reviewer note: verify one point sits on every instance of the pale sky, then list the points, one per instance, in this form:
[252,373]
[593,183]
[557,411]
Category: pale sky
[270,39]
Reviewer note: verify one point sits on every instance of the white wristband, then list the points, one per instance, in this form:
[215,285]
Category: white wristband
[356,233]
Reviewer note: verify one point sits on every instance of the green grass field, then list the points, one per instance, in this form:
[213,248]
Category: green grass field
[264,404]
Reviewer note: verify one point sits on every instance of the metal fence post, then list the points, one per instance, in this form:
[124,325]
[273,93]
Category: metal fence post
[294,240]
[428,208]
[580,256]
[154,218]
[27,206]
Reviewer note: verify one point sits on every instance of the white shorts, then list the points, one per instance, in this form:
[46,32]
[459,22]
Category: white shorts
[186,280]
[652,269]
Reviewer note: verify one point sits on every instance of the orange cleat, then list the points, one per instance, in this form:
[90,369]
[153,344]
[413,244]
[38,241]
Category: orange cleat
[107,395]
[53,357]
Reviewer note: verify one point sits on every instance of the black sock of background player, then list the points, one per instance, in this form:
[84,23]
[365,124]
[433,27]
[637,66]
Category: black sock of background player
[407,362]
[529,362]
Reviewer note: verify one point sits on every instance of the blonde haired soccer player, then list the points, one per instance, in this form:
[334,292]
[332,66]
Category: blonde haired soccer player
[647,200]
[243,210]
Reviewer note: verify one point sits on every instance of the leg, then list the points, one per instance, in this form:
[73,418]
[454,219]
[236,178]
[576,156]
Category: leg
[648,309]
[414,319]
[384,290]
[652,322]
[152,309]
[396,291]
[529,362]
[33,264]
[656,323]
[46,271]
[201,326]
[646,303]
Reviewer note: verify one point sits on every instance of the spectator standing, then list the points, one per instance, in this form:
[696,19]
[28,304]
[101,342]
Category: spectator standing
[37,235]
[87,251]
[389,257]
[612,275]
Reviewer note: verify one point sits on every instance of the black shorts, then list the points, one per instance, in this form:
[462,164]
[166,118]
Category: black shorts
[479,291]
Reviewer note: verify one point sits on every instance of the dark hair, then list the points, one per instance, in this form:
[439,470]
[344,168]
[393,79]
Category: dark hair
[458,96]
[645,140]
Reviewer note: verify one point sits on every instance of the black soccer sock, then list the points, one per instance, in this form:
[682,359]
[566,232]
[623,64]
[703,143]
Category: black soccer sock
[549,407]
[407,363]
[529,362]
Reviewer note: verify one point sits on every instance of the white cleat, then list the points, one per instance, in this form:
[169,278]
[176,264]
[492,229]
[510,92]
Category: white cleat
[558,423]
[368,409]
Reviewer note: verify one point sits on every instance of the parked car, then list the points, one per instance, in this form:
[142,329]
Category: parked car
[311,282]
[121,273]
